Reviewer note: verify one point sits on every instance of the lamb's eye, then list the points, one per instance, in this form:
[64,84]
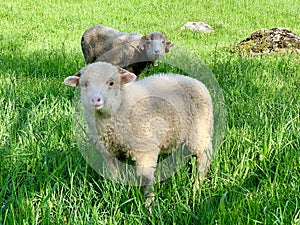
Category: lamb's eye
[84,84]
[148,42]
[163,42]
[111,83]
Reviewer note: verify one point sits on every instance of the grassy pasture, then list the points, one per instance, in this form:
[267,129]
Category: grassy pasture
[44,179]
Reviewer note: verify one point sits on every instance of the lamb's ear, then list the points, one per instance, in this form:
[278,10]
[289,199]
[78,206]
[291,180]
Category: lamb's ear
[73,80]
[142,42]
[169,45]
[126,76]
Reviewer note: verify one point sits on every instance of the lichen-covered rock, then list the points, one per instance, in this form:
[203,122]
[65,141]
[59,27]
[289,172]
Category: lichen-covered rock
[268,41]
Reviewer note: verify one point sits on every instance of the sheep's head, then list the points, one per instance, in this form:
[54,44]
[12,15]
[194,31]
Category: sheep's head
[100,85]
[155,45]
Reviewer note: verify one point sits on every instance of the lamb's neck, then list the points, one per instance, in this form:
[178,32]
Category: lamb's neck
[102,118]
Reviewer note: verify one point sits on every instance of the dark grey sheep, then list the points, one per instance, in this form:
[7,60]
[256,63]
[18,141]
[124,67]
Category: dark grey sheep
[127,50]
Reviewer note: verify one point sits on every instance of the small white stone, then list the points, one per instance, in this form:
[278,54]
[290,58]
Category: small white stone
[197,26]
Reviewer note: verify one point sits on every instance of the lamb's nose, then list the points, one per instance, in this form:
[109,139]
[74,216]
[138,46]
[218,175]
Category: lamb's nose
[156,52]
[96,101]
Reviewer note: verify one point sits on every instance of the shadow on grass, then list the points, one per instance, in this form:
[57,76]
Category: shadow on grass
[43,63]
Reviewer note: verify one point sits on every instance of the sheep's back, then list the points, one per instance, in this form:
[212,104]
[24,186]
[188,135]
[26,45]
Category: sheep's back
[164,109]
[101,41]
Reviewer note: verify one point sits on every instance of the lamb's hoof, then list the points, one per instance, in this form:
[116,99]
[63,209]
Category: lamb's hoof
[149,200]
[196,185]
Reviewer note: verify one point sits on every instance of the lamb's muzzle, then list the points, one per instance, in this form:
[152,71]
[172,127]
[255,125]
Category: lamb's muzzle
[97,102]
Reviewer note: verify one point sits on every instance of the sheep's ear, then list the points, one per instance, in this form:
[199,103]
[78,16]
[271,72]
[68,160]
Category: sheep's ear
[142,42]
[169,45]
[73,80]
[126,76]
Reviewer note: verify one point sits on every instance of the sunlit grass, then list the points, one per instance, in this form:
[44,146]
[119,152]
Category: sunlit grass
[254,178]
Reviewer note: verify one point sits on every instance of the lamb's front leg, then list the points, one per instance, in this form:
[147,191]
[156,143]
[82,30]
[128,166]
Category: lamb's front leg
[146,162]
[108,167]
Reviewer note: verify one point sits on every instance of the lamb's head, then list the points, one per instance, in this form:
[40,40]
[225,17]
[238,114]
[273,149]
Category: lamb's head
[155,45]
[100,85]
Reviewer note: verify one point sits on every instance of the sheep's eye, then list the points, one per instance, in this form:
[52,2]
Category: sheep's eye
[163,42]
[148,42]
[111,83]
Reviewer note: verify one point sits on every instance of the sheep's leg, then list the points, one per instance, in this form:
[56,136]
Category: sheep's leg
[109,168]
[113,171]
[146,174]
[145,168]
[203,164]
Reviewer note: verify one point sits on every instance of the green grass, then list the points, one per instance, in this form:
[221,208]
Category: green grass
[254,178]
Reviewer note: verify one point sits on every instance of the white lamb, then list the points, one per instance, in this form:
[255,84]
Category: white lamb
[146,117]
[127,50]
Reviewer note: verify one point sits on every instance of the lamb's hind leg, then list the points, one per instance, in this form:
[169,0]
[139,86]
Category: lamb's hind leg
[204,159]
